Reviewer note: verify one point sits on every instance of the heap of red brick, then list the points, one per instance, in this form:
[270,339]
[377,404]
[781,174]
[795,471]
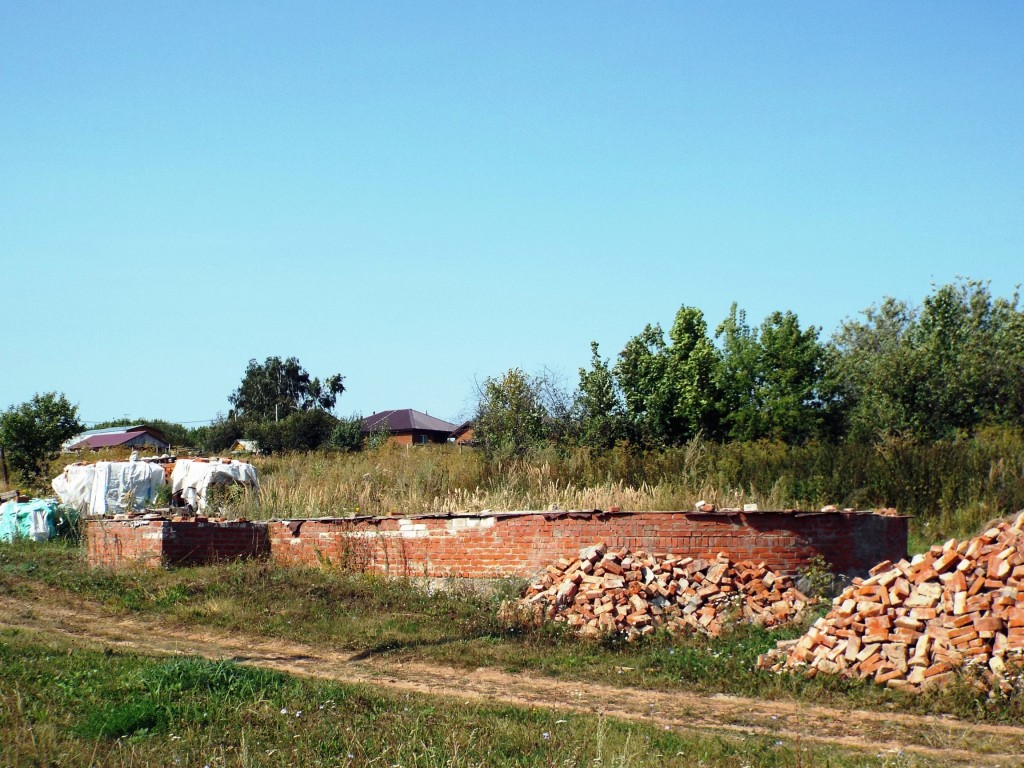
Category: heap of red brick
[635,592]
[959,605]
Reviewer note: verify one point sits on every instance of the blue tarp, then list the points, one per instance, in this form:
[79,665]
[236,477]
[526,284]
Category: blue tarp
[38,520]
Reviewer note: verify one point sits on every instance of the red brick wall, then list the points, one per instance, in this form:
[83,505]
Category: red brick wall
[118,543]
[518,544]
[153,543]
[504,544]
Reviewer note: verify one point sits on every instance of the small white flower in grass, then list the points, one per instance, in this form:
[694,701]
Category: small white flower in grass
[546,735]
[284,711]
[299,713]
[351,756]
[559,722]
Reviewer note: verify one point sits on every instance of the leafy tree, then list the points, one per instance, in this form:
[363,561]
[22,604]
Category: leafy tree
[640,372]
[693,371]
[32,433]
[670,389]
[221,435]
[379,436]
[598,406]
[275,388]
[510,416]
[556,402]
[299,431]
[741,364]
[953,364]
[771,378]
[308,430]
[347,434]
[973,350]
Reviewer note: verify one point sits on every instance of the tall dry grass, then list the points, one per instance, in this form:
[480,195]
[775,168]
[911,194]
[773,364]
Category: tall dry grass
[950,487]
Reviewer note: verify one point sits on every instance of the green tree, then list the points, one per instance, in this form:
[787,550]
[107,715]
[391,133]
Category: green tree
[953,364]
[875,374]
[32,433]
[510,416]
[275,388]
[299,431]
[598,405]
[347,434]
[671,389]
[379,436]
[771,378]
[641,375]
[221,435]
[693,371]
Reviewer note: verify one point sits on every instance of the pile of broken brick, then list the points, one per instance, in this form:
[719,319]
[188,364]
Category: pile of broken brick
[635,593]
[959,606]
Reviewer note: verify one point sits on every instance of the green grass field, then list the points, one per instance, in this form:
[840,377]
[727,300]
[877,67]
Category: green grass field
[458,627]
[61,706]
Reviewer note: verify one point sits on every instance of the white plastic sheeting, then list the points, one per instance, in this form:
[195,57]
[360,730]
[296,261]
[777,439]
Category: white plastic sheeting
[109,486]
[193,477]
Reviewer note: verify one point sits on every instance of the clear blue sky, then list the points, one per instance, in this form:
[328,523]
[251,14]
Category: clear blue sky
[418,195]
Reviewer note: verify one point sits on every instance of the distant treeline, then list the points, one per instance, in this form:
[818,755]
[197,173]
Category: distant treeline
[937,371]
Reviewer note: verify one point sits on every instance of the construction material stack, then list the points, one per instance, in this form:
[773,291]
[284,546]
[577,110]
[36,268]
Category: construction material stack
[959,606]
[634,593]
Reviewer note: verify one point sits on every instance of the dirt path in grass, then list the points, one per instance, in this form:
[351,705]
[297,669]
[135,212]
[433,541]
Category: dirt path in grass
[940,740]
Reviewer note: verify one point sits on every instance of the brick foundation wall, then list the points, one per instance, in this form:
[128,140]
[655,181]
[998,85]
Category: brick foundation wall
[519,544]
[153,543]
[504,544]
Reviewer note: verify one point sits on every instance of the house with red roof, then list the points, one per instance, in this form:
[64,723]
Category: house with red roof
[136,437]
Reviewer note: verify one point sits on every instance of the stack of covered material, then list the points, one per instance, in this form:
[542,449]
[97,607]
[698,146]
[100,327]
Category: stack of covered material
[191,479]
[635,592]
[34,520]
[109,486]
[913,623]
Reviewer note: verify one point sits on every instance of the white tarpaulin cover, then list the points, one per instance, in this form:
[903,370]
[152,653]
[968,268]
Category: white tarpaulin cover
[109,486]
[192,477]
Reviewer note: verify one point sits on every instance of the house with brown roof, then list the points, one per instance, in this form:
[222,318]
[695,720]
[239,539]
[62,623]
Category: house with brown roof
[408,427]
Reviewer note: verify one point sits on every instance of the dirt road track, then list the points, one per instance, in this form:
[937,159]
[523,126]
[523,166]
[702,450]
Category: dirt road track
[942,741]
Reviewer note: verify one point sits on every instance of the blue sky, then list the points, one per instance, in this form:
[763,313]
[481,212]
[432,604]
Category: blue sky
[419,195]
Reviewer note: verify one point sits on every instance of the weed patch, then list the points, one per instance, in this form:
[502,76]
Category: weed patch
[135,718]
